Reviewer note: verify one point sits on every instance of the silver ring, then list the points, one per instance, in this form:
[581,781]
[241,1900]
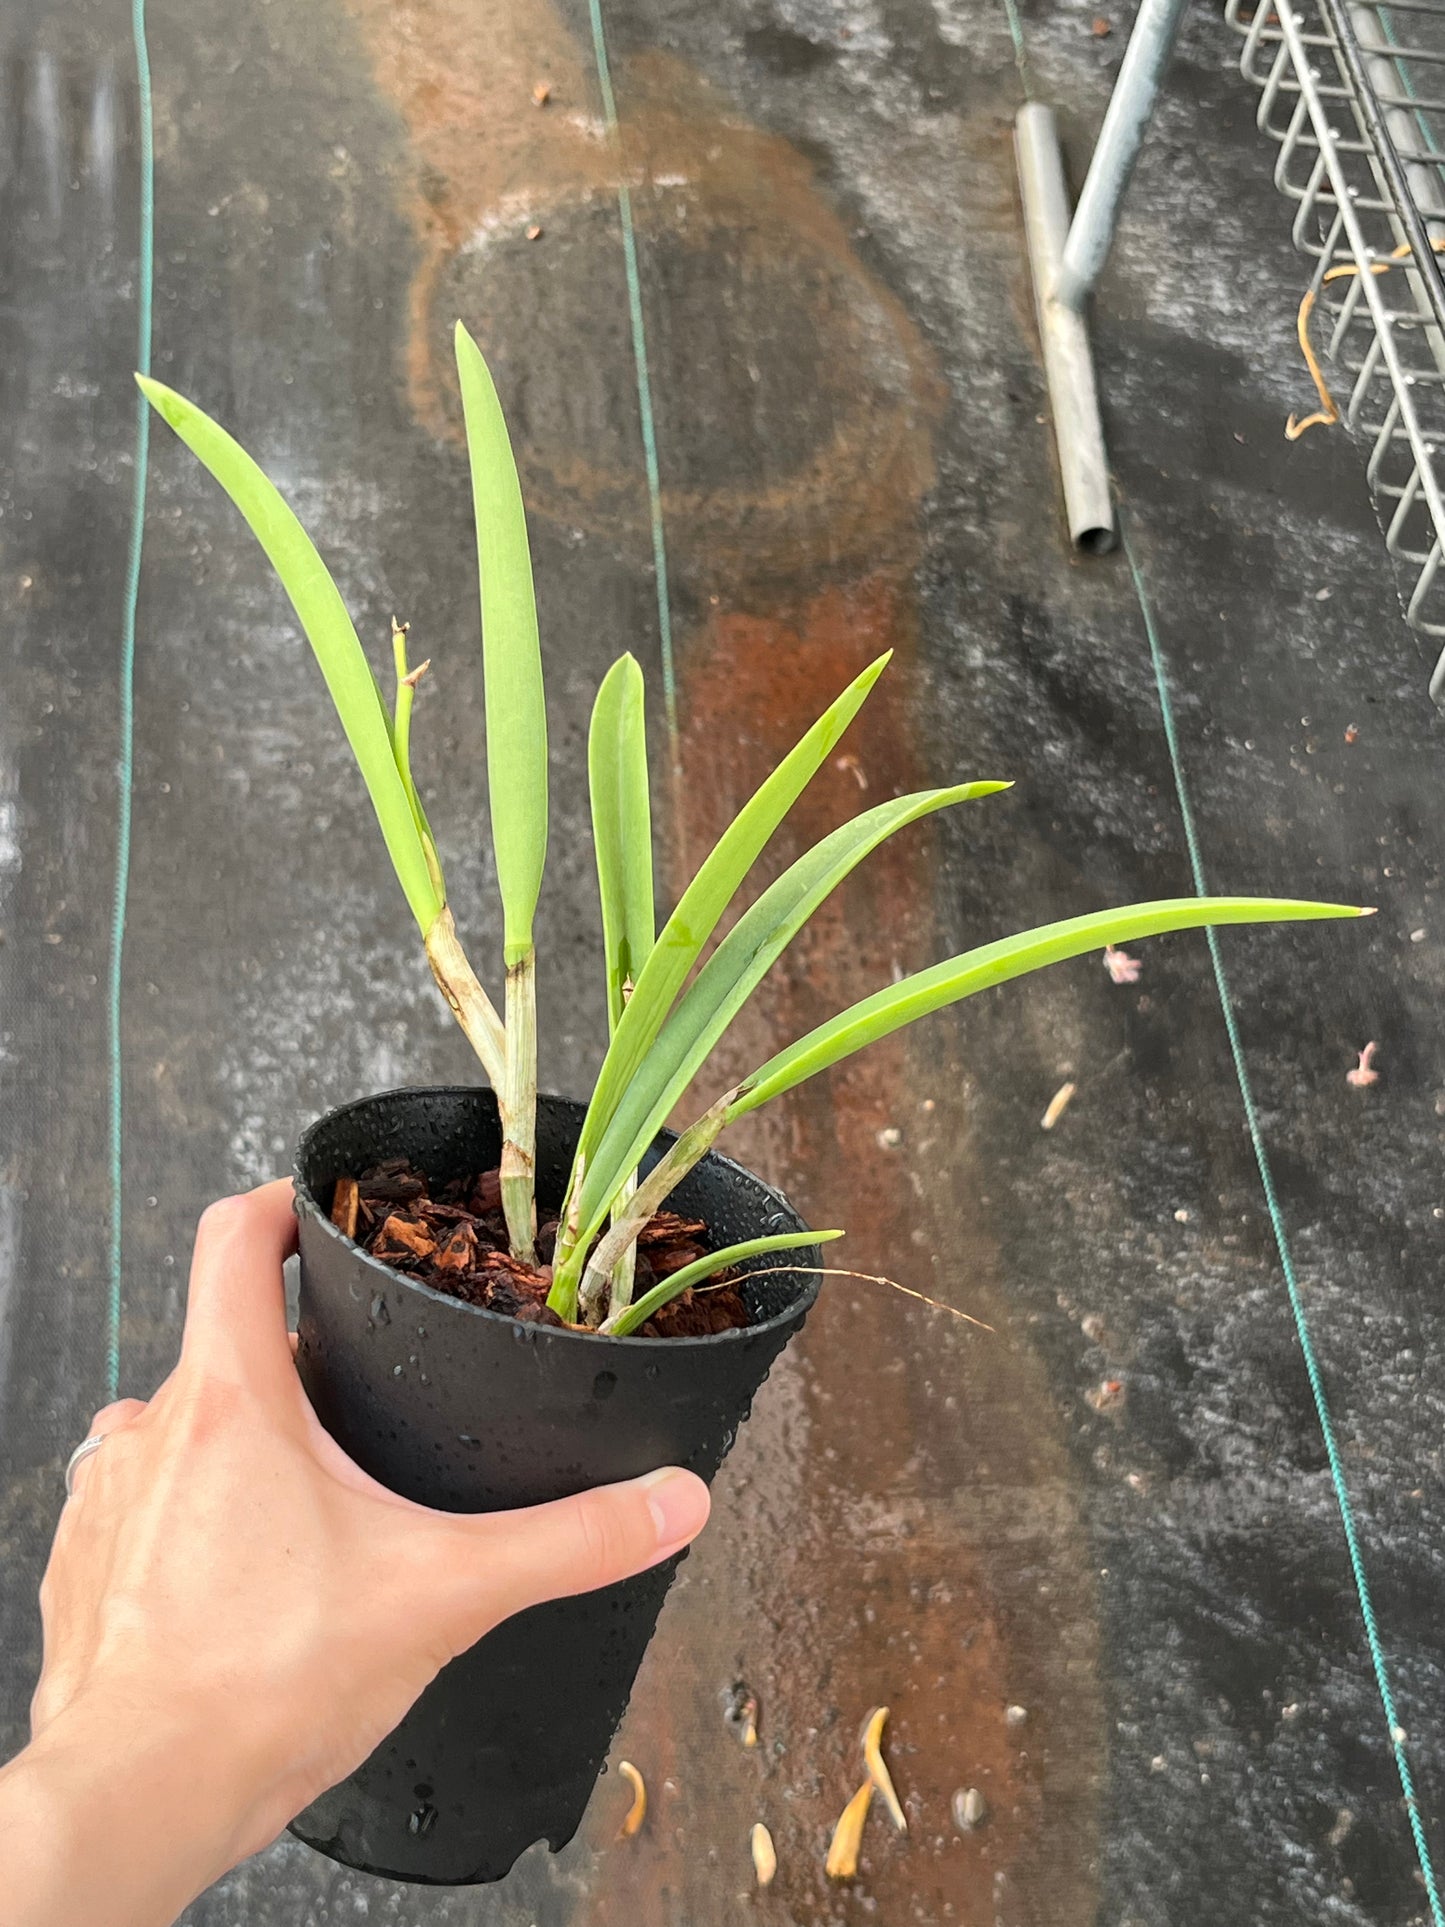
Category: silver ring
[82,1451]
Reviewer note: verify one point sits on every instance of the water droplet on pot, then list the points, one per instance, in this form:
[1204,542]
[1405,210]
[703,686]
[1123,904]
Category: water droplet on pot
[604,1385]
[379,1311]
[651,1371]
[424,1379]
[396,1371]
[422,1820]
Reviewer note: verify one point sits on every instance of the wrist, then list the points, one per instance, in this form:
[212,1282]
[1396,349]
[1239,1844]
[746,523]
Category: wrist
[118,1819]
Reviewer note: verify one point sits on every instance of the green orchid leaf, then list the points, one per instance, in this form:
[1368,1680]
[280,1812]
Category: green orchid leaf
[663,1293]
[729,978]
[996,963]
[704,901]
[406,681]
[622,828]
[329,630]
[512,660]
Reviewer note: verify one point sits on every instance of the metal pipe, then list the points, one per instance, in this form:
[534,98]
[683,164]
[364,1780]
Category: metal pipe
[1091,233]
[1068,363]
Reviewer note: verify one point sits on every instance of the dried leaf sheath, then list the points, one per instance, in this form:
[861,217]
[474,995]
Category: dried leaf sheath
[847,1841]
[877,1767]
[637,1812]
[469,1002]
[518,1103]
[765,1858]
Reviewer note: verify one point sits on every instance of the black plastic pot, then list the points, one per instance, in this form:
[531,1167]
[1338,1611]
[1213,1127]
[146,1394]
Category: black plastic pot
[463,1409]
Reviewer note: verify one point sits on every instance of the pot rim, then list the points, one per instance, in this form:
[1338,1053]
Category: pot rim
[305,1202]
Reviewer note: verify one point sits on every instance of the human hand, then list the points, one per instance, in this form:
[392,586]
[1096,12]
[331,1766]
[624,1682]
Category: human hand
[235,1614]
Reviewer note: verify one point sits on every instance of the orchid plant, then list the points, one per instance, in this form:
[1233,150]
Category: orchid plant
[665,1013]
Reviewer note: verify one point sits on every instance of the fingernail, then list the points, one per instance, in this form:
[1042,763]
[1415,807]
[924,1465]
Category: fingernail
[678,1502]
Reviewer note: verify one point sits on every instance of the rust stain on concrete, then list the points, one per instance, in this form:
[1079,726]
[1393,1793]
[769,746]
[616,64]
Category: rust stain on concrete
[750,278]
[867,1546]
[485,157]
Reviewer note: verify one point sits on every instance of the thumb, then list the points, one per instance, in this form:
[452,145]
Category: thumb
[498,1563]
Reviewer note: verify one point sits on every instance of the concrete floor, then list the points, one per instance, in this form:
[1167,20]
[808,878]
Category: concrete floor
[853,455]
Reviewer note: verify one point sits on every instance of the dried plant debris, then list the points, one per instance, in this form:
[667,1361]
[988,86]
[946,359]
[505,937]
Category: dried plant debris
[877,1768]
[1058,1104]
[1328,412]
[1107,1396]
[970,1809]
[843,1850]
[1364,1073]
[740,1710]
[765,1859]
[637,1812]
[453,1237]
[345,1204]
[842,1861]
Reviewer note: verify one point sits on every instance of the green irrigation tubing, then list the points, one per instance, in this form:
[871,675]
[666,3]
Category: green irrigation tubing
[1286,1256]
[644,378]
[125,750]
[1021,58]
[1399,57]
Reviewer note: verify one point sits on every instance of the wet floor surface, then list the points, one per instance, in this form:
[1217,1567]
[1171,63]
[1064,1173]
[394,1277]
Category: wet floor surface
[1114,1512]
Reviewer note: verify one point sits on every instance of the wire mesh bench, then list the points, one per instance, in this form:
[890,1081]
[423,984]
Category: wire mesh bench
[1353,94]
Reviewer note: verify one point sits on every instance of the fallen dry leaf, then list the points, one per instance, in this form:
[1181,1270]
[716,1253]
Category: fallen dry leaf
[842,1861]
[541,93]
[877,1769]
[637,1812]
[534,233]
